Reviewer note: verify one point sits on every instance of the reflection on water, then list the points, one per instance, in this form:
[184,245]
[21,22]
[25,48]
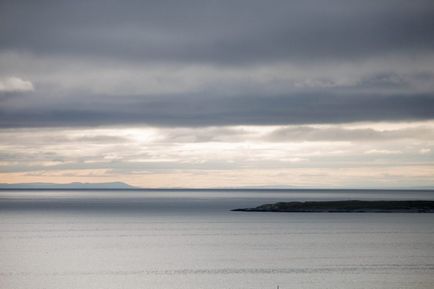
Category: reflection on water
[190,239]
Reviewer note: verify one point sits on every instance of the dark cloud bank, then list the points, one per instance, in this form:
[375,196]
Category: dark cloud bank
[218,33]
[199,111]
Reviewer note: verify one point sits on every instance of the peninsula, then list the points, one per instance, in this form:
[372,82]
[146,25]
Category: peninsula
[346,207]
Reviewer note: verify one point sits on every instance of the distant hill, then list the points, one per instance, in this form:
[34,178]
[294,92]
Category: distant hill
[75,185]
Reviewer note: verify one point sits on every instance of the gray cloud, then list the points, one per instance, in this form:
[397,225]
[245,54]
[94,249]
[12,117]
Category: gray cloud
[198,110]
[211,63]
[223,32]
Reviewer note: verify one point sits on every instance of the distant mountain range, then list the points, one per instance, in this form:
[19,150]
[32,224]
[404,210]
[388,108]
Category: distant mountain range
[75,185]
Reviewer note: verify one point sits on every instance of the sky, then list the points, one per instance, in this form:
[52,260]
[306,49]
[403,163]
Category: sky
[324,94]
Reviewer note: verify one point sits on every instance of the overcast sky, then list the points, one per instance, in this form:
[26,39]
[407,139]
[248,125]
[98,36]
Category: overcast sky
[218,93]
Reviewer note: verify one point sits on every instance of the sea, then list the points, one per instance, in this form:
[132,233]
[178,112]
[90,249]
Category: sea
[190,239]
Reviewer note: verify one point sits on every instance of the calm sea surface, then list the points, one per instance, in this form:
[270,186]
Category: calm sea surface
[190,239]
